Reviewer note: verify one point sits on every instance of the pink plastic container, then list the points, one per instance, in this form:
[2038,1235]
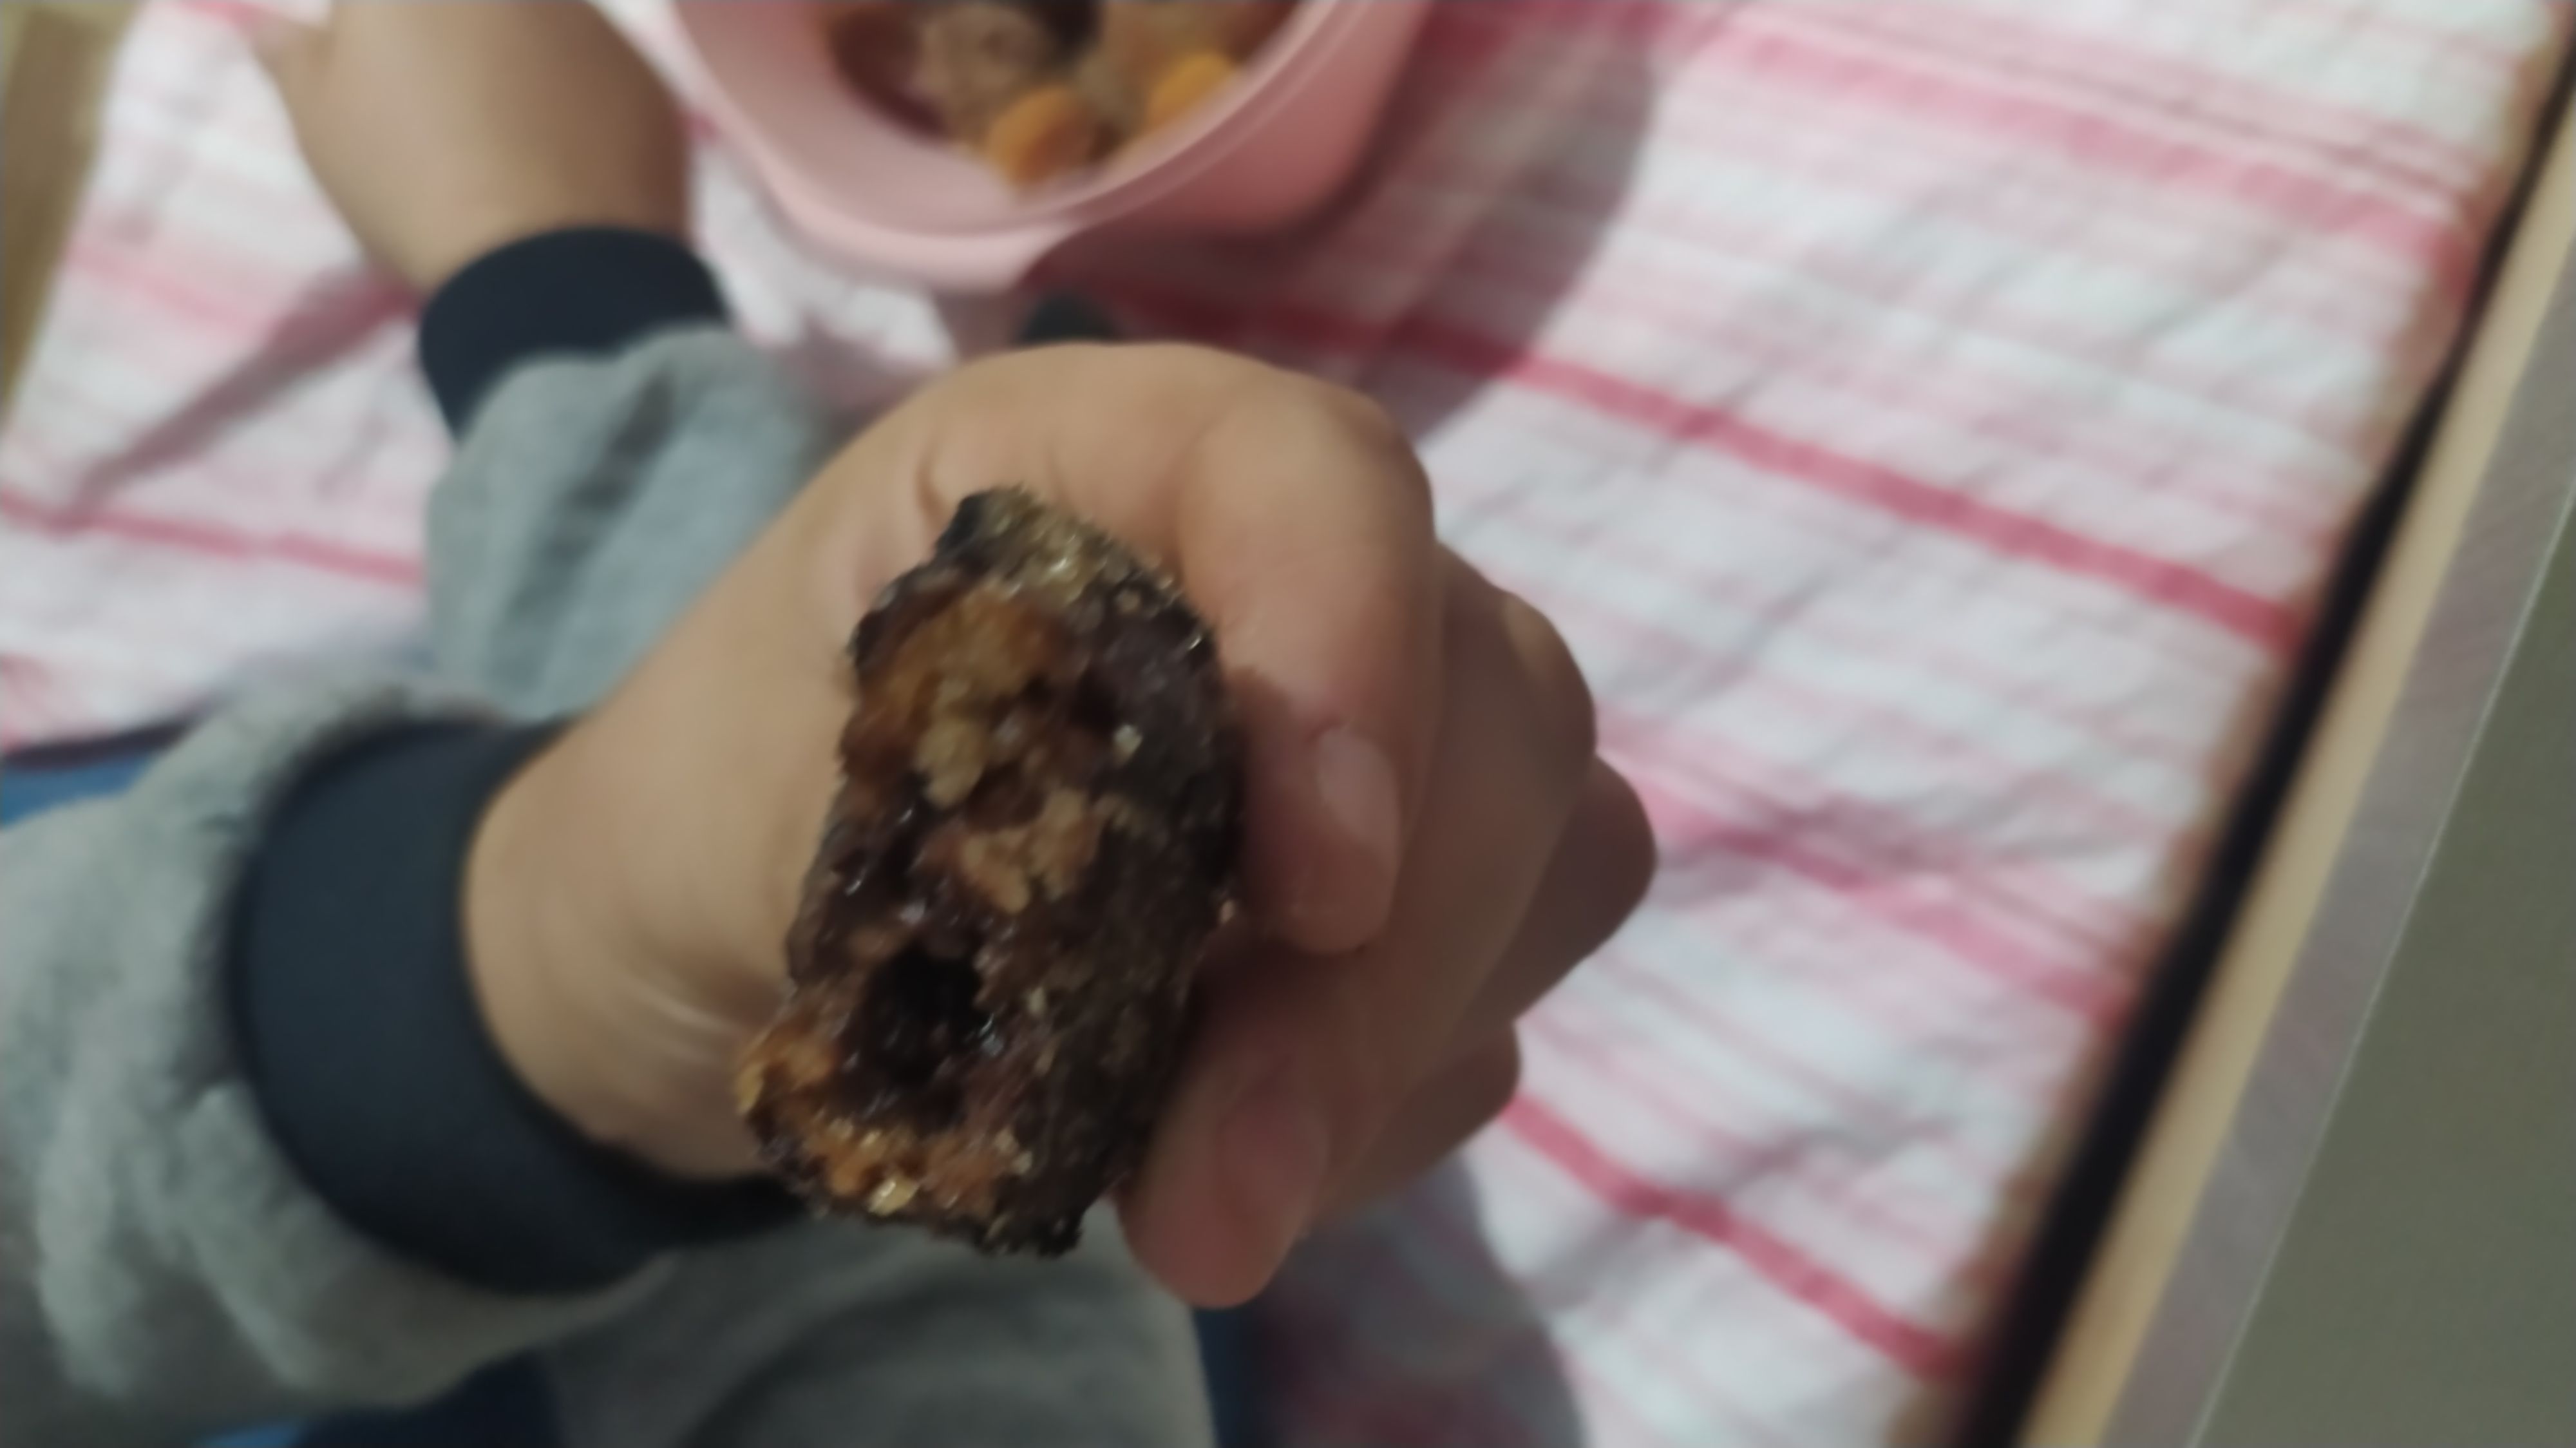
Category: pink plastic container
[1271,147]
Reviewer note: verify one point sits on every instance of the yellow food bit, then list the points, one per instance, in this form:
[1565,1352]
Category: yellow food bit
[1191,80]
[1042,135]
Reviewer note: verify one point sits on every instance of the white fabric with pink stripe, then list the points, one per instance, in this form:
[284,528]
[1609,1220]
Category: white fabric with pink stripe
[1932,424]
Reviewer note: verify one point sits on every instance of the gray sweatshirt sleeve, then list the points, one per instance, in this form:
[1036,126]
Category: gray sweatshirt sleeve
[164,1272]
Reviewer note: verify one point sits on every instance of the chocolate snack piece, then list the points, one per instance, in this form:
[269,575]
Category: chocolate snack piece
[1034,841]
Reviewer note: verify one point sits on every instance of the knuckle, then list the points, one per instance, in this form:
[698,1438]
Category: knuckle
[1628,840]
[1365,417]
[1167,380]
[1359,1067]
[1498,1076]
[1367,424]
[1197,362]
[1561,698]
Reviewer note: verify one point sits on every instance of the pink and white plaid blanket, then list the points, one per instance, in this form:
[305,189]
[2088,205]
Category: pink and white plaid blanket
[1931,422]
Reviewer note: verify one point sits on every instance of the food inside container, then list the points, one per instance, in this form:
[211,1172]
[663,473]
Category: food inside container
[1045,89]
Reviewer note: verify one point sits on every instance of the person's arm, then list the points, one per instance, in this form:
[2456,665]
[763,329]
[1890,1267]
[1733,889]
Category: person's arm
[260,1155]
[561,546]
[165,1269]
[273,1161]
[380,1083]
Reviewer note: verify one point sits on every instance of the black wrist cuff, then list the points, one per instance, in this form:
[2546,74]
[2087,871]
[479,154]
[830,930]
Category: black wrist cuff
[360,1035]
[587,289]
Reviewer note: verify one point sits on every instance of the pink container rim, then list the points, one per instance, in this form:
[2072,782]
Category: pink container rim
[952,224]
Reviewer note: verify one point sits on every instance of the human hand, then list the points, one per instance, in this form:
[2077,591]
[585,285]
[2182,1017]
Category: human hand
[441,131]
[1431,841]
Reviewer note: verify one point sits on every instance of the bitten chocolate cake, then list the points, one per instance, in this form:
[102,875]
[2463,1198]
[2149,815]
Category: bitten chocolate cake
[1034,841]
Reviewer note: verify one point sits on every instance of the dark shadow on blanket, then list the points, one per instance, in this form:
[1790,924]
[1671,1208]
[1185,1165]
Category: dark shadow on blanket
[1479,1368]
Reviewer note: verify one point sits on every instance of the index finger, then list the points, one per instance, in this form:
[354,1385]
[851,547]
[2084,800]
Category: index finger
[1297,520]
[1296,1066]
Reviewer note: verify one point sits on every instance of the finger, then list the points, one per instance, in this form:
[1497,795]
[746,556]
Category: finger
[1604,862]
[1299,1062]
[1450,1107]
[1298,521]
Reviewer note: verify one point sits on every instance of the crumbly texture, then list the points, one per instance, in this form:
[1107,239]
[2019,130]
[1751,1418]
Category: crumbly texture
[1034,842]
